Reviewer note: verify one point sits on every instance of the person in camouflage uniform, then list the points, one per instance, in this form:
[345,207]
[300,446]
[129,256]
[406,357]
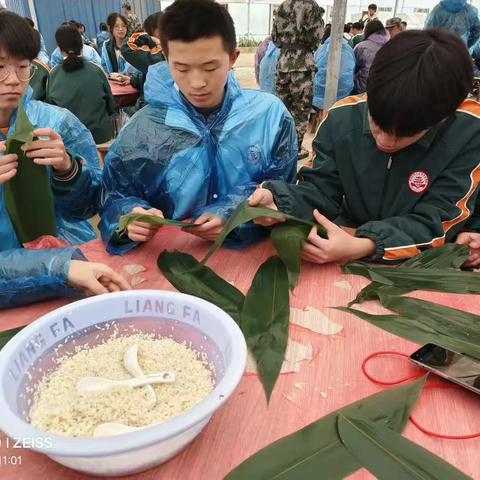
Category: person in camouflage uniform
[297,30]
[133,23]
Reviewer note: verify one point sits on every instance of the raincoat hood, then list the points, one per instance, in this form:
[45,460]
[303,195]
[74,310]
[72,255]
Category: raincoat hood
[161,91]
[454,6]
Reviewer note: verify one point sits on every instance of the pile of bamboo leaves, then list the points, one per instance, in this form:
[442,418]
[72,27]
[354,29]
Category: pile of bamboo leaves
[263,314]
[365,434]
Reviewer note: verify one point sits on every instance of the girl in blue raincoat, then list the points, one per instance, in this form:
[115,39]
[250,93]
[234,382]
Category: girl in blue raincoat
[68,149]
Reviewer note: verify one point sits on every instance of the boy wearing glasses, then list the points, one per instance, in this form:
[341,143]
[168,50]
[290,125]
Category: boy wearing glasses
[67,148]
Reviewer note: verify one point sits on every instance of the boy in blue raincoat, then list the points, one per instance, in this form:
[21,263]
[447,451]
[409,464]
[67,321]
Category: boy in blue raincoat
[202,144]
[68,149]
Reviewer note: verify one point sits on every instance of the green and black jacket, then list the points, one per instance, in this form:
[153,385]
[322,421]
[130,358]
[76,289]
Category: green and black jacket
[419,197]
[87,94]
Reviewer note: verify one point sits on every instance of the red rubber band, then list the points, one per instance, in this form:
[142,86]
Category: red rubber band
[411,377]
[380,382]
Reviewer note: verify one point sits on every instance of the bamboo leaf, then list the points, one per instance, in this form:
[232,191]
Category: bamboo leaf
[126,220]
[448,256]
[287,240]
[430,279]
[28,196]
[419,330]
[6,335]
[180,270]
[386,454]
[316,451]
[243,214]
[265,318]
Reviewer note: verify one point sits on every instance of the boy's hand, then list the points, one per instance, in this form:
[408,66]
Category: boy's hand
[95,278]
[472,240]
[209,229]
[143,231]
[262,197]
[340,245]
[8,165]
[48,152]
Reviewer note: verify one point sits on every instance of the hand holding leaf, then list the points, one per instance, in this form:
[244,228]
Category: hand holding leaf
[139,231]
[339,246]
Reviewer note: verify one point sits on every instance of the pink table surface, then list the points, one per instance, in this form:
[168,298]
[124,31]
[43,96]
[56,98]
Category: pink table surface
[118,89]
[332,378]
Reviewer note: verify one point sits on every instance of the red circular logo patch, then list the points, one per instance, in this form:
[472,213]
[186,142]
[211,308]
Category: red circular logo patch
[418,182]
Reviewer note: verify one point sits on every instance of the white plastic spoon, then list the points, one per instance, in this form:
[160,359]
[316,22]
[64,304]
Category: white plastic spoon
[99,384]
[130,362]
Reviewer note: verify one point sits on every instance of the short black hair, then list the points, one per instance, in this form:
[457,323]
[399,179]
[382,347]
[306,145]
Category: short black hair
[127,6]
[403,22]
[372,6]
[357,25]
[69,40]
[372,27]
[418,79]
[190,20]
[152,22]
[103,27]
[17,37]
[29,21]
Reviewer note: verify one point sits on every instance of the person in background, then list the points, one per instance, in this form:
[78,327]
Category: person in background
[88,53]
[375,38]
[112,58]
[259,54]
[81,87]
[369,15]
[347,70]
[394,26]
[357,34]
[67,148]
[85,39]
[326,33]
[102,36]
[42,54]
[201,144]
[382,166]
[143,49]
[41,70]
[268,69]
[346,31]
[404,26]
[297,31]
[39,80]
[133,23]
[458,17]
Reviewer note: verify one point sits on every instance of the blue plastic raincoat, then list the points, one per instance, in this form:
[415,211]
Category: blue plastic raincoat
[123,66]
[28,276]
[170,157]
[347,71]
[457,16]
[88,53]
[268,69]
[75,200]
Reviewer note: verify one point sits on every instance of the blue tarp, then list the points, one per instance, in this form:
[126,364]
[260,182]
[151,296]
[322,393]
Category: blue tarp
[51,13]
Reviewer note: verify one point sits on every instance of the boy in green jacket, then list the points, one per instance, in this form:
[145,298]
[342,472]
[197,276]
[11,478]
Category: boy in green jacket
[401,167]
